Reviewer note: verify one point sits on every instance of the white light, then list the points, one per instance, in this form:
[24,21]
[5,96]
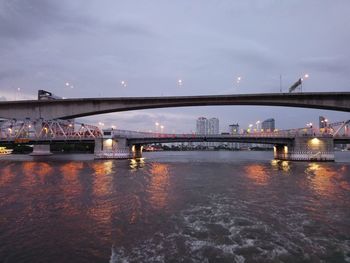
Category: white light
[306,76]
[123,83]
[67,84]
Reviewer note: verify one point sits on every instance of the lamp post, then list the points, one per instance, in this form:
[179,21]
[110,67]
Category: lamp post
[258,128]
[238,80]
[302,80]
[250,128]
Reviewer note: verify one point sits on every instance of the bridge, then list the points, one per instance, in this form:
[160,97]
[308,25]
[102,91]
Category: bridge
[49,120]
[74,108]
[294,144]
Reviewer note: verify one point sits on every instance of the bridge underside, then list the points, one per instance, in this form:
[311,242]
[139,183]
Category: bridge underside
[73,108]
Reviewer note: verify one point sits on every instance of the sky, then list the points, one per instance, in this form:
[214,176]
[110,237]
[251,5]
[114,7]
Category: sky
[85,48]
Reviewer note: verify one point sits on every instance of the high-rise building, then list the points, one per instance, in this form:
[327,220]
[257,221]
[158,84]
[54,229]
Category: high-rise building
[213,126]
[202,126]
[268,125]
[205,126]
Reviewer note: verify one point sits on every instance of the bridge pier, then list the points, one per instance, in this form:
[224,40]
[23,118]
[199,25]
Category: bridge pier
[111,148]
[41,150]
[137,151]
[306,148]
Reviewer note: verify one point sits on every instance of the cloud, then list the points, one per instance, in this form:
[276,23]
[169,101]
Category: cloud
[9,74]
[32,19]
[21,19]
[330,64]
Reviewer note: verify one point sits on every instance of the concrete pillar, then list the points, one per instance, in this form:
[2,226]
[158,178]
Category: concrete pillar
[137,151]
[306,148]
[41,150]
[111,148]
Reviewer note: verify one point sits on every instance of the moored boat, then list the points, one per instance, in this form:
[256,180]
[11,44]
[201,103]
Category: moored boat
[4,151]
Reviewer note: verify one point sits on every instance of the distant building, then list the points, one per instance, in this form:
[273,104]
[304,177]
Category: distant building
[213,126]
[234,128]
[268,125]
[205,127]
[202,129]
[202,126]
[322,122]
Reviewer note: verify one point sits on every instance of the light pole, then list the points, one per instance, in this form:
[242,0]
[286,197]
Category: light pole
[157,125]
[302,79]
[238,80]
[258,126]
[161,128]
[250,128]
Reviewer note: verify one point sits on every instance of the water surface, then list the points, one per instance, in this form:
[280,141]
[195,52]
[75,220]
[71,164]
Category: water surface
[174,207]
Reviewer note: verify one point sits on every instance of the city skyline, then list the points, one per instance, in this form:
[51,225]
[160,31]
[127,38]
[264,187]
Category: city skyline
[87,49]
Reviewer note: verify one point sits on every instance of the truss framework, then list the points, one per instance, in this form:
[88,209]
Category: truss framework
[24,130]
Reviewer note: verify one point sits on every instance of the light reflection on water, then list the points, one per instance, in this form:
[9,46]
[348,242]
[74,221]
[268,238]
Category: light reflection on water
[154,209]
[158,187]
[257,173]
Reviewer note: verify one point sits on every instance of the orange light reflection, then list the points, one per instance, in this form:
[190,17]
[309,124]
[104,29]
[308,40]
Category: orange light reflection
[257,173]
[35,172]
[6,175]
[159,185]
[325,179]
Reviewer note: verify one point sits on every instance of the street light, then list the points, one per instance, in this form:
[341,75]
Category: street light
[250,127]
[161,128]
[257,126]
[302,80]
[179,82]
[123,84]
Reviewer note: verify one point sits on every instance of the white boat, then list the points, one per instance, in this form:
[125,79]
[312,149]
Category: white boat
[4,151]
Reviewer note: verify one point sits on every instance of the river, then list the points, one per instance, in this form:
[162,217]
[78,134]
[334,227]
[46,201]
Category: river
[174,207]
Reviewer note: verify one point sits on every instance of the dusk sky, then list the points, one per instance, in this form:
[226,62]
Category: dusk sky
[82,48]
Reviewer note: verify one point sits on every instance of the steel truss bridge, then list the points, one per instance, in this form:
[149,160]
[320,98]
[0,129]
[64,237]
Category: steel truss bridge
[50,131]
[39,131]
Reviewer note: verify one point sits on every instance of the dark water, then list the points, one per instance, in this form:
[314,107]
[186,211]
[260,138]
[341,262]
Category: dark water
[174,207]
